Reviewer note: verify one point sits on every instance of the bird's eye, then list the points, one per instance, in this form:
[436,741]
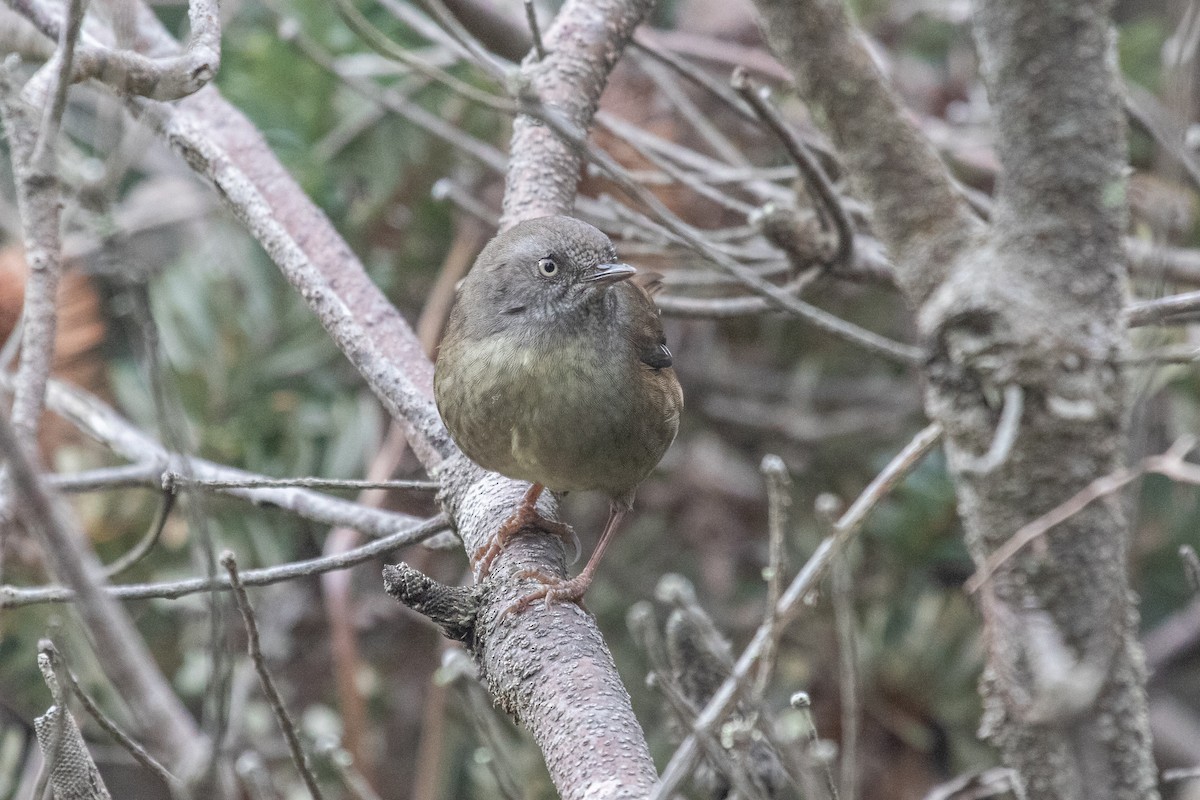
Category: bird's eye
[547,267]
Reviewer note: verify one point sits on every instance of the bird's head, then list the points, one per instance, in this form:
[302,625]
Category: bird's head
[546,268]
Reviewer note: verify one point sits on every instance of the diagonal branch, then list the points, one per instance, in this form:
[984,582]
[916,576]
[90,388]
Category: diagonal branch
[128,664]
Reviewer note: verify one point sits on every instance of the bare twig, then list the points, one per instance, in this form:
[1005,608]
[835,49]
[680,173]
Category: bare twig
[39,201]
[64,58]
[791,602]
[99,421]
[535,30]
[389,49]
[1181,774]
[1159,311]
[1169,463]
[104,479]
[779,486]
[815,179]
[729,763]
[392,101]
[306,483]
[12,597]
[121,649]
[264,676]
[147,542]
[843,616]
[63,670]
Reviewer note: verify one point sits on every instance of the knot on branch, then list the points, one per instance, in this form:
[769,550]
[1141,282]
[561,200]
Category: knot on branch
[453,608]
[797,232]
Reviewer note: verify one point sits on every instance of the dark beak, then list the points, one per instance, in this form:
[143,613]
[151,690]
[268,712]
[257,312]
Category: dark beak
[605,274]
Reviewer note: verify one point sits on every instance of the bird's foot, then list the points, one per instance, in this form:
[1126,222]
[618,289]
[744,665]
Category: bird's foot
[526,517]
[554,590]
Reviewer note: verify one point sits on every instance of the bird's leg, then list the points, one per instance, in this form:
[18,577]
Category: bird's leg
[526,516]
[558,590]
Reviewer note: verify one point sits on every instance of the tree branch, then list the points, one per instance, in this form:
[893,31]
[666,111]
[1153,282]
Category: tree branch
[584,44]
[889,161]
[164,722]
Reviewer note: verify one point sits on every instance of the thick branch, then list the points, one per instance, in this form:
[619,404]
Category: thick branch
[1030,308]
[584,44]
[40,201]
[220,144]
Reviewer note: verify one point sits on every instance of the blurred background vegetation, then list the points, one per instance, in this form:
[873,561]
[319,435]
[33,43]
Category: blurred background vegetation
[251,380]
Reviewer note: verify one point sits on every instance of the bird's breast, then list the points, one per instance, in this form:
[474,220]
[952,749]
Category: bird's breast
[572,414]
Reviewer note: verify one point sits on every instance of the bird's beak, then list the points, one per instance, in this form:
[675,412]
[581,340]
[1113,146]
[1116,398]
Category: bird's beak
[605,274]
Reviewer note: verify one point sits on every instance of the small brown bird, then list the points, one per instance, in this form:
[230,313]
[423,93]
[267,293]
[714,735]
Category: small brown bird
[554,370]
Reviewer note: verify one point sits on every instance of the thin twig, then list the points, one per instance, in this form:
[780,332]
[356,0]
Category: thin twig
[483,58]
[39,200]
[381,44]
[700,119]
[147,542]
[692,72]
[1149,312]
[47,648]
[63,61]
[304,483]
[802,702]
[815,179]
[391,100]
[729,763]
[102,423]
[13,596]
[264,676]
[843,617]
[724,699]
[104,479]
[778,501]
[535,30]
[1168,463]
[1181,774]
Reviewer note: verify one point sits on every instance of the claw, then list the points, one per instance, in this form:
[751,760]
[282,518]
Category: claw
[526,516]
[554,590]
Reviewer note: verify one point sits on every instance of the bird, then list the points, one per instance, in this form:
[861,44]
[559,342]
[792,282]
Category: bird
[554,370]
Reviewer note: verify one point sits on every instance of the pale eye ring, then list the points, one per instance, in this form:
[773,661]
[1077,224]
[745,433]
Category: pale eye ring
[548,267]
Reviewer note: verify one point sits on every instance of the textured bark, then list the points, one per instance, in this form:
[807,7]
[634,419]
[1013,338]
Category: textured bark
[1032,302]
[583,46]
[548,667]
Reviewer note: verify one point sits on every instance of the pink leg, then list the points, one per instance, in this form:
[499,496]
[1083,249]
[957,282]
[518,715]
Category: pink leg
[558,590]
[526,516]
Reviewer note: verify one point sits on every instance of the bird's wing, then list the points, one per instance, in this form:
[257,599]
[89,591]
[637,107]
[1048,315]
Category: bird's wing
[646,329]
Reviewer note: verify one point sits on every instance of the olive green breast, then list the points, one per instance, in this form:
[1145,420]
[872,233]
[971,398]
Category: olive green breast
[572,414]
